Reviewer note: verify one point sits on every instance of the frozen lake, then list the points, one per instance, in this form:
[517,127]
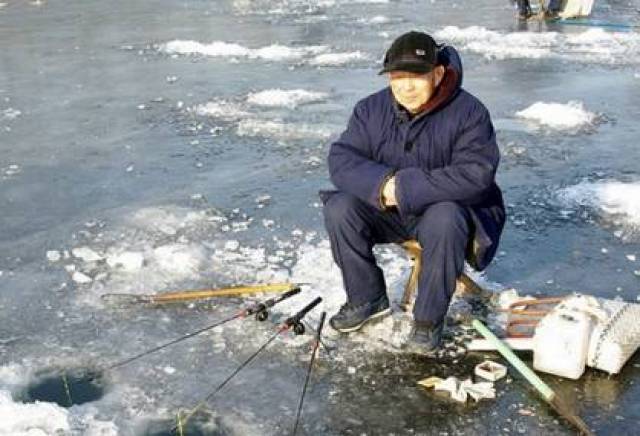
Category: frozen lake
[159,145]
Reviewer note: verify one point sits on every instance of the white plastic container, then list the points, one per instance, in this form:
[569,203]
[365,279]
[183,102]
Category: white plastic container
[561,342]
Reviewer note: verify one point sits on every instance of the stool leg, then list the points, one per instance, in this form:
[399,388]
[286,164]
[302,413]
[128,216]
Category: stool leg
[471,287]
[412,284]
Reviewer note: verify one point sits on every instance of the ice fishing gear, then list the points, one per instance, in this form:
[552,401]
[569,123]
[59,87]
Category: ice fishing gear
[293,323]
[543,389]
[260,310]
[181,296]
[306,381]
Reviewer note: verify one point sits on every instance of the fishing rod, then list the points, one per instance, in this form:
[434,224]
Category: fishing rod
[195,294]
[260,310]
[316,345]
[293,323]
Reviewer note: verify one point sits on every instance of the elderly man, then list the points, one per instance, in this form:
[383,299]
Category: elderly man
[417,161]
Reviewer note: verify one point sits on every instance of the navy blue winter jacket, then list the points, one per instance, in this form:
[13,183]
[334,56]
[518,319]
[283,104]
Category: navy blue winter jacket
[446,153]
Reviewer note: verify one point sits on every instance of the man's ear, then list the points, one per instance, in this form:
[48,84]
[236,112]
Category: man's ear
[439,74]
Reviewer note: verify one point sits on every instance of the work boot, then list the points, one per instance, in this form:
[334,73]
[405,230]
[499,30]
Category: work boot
[425,338]
[350,317]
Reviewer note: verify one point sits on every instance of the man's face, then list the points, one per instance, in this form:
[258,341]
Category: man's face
[413,90]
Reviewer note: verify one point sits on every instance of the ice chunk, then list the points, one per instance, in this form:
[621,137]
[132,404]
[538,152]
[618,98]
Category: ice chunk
[231,245]
[53,255]
[86,254]
[81,278]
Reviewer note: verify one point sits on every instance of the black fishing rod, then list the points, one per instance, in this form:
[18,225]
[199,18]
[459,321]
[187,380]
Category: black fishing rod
[260,310]
[293,323]
[316,345]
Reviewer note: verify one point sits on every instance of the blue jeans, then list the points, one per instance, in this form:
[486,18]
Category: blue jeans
[443,230]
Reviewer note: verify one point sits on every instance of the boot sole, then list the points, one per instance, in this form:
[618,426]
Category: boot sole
[384,312]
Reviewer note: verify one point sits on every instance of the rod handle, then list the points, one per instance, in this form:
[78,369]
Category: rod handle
[301,314]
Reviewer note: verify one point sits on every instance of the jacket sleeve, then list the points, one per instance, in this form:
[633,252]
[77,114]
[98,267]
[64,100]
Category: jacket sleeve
[466,180]
[352,166]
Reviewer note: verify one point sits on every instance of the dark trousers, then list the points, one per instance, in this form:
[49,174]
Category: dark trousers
[443,231]
[523,7]
[555,5]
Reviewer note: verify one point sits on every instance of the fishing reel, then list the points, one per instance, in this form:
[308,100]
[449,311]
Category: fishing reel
[261,310]
[298,328]
[262,315]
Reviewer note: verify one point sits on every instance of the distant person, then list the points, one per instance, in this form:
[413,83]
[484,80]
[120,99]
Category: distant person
[417,161]
[552,10]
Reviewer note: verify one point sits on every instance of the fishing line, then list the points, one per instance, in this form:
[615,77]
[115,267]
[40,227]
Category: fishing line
[292,323]
[316,345]
[260,310]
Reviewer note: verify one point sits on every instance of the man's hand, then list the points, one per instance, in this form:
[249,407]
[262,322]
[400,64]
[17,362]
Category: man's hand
[389,193]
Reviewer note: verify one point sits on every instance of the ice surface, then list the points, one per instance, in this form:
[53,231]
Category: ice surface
[78,130]
[559,116]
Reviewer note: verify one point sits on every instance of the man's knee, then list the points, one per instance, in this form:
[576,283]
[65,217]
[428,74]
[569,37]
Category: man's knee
[443,219]
[340,206]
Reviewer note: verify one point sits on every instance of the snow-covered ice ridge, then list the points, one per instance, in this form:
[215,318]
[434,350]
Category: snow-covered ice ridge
[593,45]
[559,116]
[616,202]
[316,55]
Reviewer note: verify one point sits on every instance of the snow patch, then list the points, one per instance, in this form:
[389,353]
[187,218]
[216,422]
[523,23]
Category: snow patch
[274,52]
[180,260]
[86,254]
[617,202]
[283,131]
[337,59]
[81,278]
[11,113]
[571,115]
[53,255]
[220,109]
[378,19]
[129,261]
[285,98]
[593,45]
[35,419]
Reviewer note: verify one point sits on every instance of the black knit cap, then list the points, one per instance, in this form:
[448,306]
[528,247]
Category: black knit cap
[415,52]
